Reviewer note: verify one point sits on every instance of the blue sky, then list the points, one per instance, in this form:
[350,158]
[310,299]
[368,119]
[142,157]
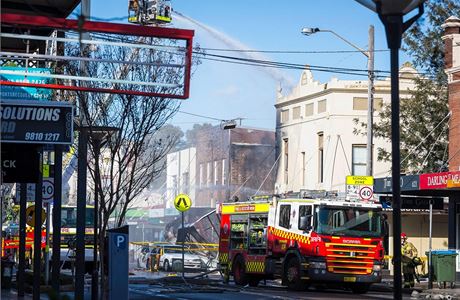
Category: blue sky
[226,91]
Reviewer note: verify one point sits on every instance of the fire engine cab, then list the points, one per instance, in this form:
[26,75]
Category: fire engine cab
[302,241]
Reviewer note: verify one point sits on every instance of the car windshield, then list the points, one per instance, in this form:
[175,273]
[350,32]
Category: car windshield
[69,217]
[348,221]
[173,249]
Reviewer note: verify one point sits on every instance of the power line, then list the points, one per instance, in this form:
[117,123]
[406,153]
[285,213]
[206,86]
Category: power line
[268,63]
[287,51]
[200,116]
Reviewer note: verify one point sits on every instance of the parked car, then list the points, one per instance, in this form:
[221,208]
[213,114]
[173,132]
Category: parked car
[170,253]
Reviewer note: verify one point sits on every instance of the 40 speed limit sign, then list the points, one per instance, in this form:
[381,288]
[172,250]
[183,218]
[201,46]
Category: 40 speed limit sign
[48,189]
[366,193]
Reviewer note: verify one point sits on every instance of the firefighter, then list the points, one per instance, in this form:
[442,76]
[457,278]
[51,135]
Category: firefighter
[409,253]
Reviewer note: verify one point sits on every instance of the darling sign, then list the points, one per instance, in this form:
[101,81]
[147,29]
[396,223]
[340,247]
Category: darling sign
[439,180]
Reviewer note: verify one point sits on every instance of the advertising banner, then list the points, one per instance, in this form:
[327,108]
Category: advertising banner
[408,183]
[17,74]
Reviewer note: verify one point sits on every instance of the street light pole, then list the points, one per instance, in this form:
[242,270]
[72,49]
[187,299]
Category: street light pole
[99,135]
[391,14]
[370,87]
[370,103]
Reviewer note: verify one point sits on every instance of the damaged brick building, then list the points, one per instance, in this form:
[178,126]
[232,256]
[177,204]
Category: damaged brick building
[224,164]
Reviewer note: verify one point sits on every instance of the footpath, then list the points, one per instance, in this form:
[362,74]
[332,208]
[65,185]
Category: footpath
[421,290]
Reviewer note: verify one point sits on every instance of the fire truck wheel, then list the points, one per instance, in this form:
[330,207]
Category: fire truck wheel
[292,275]
[239,272]
[360,288]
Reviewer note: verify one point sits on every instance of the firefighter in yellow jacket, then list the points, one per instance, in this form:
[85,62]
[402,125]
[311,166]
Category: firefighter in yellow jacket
[409,252]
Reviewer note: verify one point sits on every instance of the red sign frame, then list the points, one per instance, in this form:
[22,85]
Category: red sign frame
[28,21]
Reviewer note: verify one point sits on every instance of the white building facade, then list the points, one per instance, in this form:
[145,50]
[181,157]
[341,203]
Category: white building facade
[180,175]
[316,143]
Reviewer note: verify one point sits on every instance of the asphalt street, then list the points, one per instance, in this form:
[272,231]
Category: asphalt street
[145,291]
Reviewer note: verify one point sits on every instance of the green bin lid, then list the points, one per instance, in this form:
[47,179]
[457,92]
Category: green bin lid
[443,252]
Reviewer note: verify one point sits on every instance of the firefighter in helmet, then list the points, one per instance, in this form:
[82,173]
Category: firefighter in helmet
[409,253]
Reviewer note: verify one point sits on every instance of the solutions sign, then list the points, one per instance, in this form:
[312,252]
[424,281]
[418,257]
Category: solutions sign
[36,122]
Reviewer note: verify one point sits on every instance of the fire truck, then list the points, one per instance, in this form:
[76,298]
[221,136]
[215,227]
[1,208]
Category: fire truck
[302,241]
[68,237]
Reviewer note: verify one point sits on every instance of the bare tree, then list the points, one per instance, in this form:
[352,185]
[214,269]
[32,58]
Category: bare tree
[134,156]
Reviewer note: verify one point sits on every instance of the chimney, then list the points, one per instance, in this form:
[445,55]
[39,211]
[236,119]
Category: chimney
[451,37]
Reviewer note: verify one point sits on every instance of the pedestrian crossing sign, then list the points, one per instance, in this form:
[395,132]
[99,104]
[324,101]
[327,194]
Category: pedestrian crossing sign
[182,202]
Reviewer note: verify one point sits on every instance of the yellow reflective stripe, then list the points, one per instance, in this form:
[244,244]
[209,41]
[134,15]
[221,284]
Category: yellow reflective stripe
[255,266]
[245,208]
[290,235]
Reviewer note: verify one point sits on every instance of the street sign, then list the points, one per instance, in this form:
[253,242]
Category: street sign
[366,193]
[36,122]
[48,189]
[359,188]
[118,261]
[360,180]
[30,194]
[30,216]
[182,202]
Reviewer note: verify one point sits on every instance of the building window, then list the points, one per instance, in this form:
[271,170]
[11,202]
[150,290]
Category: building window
[296,113]
[209,173]
[216,172]
[360,103]
[186,182]
[304,169]
[284,116]
[322,106]
[175,185]
[285,216]
[286,160]
[224,171]
[320,157]
[309,109]
[358,159]
[201,176]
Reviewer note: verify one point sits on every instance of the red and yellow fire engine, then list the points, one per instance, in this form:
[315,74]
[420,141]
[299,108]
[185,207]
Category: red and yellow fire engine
[10,243]
[302,241]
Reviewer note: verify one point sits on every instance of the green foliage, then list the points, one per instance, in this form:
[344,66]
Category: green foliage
[424,116]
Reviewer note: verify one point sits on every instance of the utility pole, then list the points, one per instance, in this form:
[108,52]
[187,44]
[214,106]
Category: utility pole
[370,102]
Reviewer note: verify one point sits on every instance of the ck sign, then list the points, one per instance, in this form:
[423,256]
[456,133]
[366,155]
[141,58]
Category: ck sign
[15,159]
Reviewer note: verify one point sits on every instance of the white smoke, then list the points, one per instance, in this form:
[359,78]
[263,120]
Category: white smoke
[232,43]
